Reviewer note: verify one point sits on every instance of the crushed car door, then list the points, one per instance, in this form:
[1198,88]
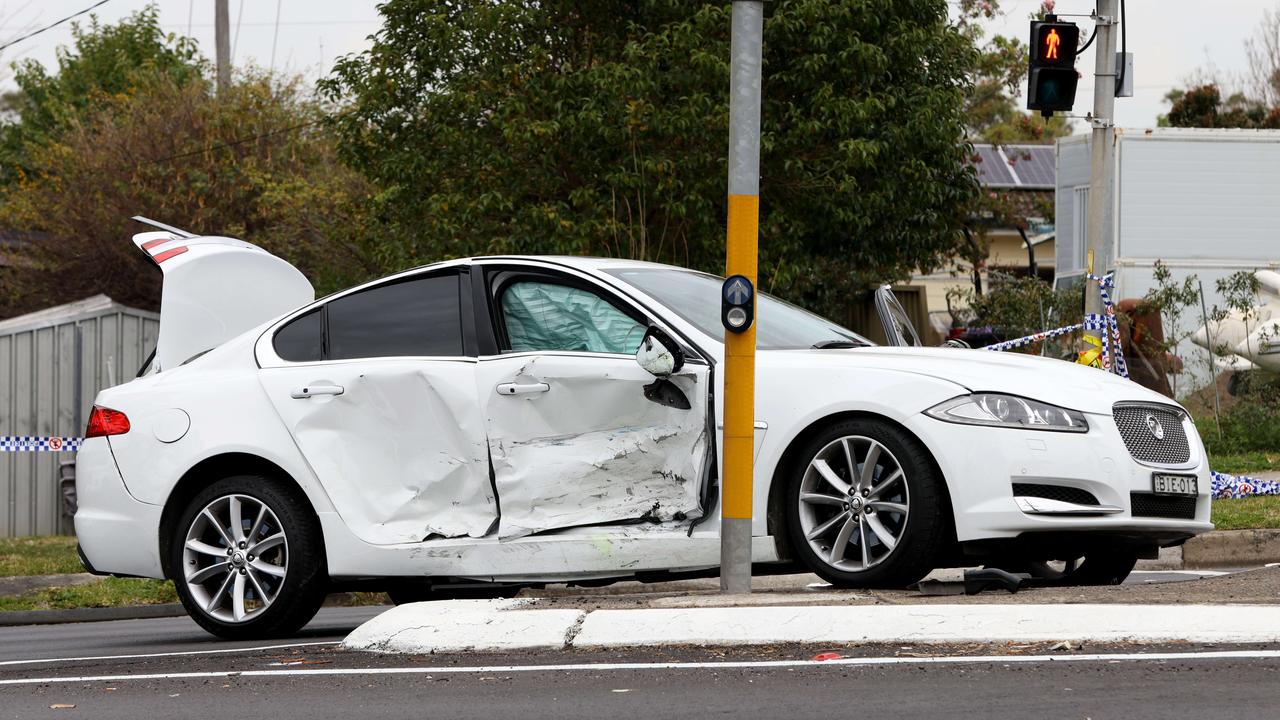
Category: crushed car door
[379,393]
[575,439]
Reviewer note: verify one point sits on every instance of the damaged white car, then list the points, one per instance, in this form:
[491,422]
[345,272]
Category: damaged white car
[478,425]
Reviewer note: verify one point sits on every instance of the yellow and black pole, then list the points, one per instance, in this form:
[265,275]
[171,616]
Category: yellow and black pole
[738,295]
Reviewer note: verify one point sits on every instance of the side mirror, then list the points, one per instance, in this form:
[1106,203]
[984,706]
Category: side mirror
[659,354]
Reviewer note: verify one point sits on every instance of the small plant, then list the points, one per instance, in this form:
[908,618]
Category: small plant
[1171,299]
[1240,291]
[1016,306]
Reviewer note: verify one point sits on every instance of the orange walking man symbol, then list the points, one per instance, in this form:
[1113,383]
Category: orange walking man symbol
[1052,41]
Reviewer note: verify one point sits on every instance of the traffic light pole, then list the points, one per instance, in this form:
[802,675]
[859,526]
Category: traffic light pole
[1101,248]
[741,251]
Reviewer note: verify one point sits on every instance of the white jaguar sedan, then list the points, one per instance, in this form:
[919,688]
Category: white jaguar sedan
[475,426]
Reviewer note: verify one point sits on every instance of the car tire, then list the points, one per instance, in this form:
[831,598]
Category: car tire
[856,526]
[229,589]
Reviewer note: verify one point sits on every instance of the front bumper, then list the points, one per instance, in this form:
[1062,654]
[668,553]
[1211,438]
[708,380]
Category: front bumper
[981,464]
[118,535]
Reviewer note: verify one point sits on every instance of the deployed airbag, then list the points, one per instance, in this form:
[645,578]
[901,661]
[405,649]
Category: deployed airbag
[544,316]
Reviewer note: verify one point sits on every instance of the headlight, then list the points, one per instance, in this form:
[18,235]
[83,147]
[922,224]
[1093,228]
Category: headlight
[1009,411]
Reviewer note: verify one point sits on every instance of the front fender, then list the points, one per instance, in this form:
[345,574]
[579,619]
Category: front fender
[792,402]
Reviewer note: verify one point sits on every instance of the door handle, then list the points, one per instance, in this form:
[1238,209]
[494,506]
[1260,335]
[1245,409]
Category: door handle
[521,388]
[313,390]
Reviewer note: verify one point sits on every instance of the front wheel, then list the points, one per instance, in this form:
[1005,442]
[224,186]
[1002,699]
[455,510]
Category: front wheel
[247,559]
[865,506]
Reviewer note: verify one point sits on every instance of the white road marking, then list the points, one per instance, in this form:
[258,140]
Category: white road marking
[729,664]
[1205,573]
[168,654]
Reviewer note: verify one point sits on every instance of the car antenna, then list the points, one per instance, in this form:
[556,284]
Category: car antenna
[157,224]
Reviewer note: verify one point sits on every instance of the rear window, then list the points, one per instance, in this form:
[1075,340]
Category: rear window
[300,340]
[414,318]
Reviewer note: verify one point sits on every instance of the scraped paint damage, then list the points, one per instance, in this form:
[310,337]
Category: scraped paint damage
[612,456]
[402,452]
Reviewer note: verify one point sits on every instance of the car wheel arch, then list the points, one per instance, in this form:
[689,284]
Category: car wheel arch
[776,516]
[208,471]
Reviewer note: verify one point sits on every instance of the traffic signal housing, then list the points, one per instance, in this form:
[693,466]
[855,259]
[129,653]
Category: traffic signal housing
[1052,78]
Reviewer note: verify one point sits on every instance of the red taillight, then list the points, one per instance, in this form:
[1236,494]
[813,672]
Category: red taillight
[105,421]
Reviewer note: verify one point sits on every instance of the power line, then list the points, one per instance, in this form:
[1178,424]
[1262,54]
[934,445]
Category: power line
[34,33]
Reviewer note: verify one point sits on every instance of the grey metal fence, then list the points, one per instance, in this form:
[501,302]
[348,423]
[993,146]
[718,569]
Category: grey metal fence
[52,364]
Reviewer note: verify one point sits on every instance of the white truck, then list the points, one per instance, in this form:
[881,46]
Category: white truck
[1204,202]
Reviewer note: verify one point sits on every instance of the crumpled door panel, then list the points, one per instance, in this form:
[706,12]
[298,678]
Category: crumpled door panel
[401,452]
[592,449]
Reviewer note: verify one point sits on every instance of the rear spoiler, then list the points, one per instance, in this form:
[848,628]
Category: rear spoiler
[215,288]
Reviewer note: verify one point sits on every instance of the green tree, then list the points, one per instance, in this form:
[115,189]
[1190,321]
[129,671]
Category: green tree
[256,162]
[104,62]
[1204,107]
[993,108]
[601,128]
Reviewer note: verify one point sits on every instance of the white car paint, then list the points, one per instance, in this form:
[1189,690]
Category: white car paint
[215,289]
[397,466]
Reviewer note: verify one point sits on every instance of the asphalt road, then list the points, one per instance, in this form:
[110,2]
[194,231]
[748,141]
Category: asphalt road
[159,635]
[171,668]
[166,635]
[314,683]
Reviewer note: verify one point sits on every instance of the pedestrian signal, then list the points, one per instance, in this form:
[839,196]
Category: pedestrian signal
[1052,77]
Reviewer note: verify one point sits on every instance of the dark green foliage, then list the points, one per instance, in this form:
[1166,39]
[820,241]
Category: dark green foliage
[601,128]
[1204,107]
[1252,423]
[1019,306]
[106,61]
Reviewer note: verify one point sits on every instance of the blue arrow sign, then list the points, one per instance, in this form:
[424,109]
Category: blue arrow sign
[738,290]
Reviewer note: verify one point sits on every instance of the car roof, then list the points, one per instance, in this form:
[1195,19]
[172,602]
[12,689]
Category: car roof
[574,261]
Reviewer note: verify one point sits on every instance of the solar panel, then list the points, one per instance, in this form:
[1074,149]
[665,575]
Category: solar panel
[993,171]
[1015,166]
[1034,165]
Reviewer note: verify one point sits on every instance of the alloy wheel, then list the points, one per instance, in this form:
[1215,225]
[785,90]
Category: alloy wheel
[235,558]
[854,503]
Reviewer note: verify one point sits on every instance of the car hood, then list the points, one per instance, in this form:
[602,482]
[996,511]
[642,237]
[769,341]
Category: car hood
[1068,385]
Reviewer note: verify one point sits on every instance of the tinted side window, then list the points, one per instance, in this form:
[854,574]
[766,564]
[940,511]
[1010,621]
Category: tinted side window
[301,339]
[413,317]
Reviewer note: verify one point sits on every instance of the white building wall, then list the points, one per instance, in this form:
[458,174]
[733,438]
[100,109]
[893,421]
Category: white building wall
[1203,202]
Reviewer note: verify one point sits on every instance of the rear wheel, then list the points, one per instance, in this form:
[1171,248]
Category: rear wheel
[247,559]
[865,506]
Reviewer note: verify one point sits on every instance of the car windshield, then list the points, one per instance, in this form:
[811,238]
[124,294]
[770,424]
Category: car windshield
[695,297]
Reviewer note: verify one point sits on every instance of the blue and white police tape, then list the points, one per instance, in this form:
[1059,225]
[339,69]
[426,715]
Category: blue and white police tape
[32,443]
[1092,322]
[1106,323]
[1111,333]
[1226,486]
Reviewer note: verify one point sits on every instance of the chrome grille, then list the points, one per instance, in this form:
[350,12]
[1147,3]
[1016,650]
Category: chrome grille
[1136,422]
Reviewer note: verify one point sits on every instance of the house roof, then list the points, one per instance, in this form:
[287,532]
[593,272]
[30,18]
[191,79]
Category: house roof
[1023,167]
[70,312]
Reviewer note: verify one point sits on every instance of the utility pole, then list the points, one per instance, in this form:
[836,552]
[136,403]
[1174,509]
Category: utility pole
[1102,146]
[738,301]
[222,31]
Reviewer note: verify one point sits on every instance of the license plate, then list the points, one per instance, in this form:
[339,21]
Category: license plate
[1163,484]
